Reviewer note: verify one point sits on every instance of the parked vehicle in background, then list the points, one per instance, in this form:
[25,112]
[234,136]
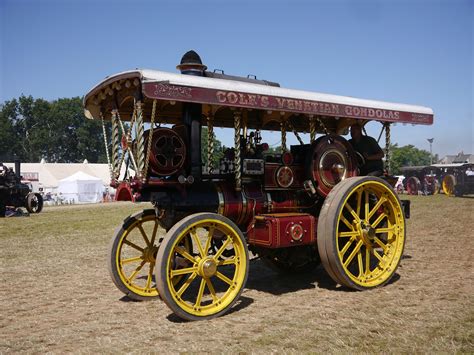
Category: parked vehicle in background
[14,193]
[422,180]
[457,179]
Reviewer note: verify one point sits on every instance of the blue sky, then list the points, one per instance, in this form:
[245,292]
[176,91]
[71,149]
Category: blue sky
[416,52]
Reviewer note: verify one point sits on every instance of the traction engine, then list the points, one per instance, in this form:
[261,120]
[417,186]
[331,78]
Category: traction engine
[294,209]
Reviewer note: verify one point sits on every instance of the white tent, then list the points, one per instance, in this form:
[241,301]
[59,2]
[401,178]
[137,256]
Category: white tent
[81,188]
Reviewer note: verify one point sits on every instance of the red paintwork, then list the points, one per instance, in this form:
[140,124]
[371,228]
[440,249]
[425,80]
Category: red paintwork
[165,91]
[270,176]
[282,230]
[241,206]
[124,192]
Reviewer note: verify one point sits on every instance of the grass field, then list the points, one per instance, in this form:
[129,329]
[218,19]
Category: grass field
[57,296]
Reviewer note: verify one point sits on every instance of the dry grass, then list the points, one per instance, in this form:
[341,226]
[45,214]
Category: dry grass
[56,295]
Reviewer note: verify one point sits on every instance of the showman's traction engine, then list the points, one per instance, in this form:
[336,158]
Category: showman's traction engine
[294,209]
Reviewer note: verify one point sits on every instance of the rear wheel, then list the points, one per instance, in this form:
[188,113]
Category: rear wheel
[361,233]
[34,202]
[413,185]
[449,185]
[212,277]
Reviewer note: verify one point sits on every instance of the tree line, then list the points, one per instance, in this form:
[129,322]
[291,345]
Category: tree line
[33,129]
[57,131]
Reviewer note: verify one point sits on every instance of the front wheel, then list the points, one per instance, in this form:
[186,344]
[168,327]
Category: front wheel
[361,233]
[212,276]
[132,255]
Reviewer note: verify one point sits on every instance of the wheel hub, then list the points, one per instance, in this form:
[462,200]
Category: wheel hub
[149,253]
[207,268]
[367,233]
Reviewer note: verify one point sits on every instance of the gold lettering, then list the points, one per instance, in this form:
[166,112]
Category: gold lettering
[281,102]
[221,96]
[379,113]
[232,97]
[363,112]
[348,110]
[253,100]
[356,111]
[264,101]
[371,112]
[291,104]
[307,106]
[299,105]
[243,100]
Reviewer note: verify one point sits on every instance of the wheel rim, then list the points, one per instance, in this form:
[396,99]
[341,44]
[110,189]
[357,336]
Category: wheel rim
[136,256]
[448,185]
[218,266]
[370,234]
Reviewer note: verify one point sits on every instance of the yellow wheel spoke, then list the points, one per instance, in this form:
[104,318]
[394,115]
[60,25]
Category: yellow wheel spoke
[367,260]
[197,242]
[347,223]
[376,207]
[183,271]
[142,231]
[211,290]
[131,260]
[209,238]
[153,236]
[231,261]
[376,254]
[381,244]
[184,252]
[200,293]
[378,220]
[385,230]
[366,204]
[137,270]
[186,284]
[359,201]
[348,234]
[150,276]
[222,248]
[224,278]
[360,264]
[353,213]
[354,252]
[133,245]
[347,246]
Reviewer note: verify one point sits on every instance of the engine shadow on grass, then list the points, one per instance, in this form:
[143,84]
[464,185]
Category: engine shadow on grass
[242,302]
[262,278]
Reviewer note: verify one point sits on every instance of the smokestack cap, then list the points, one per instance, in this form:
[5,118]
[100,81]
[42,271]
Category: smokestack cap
[191,62]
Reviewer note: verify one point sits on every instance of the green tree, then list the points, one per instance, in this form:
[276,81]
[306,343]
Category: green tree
[218,149]
[8,138]
[407,155]
[58,131]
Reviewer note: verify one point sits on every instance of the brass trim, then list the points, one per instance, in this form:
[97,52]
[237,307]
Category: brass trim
[220,196]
